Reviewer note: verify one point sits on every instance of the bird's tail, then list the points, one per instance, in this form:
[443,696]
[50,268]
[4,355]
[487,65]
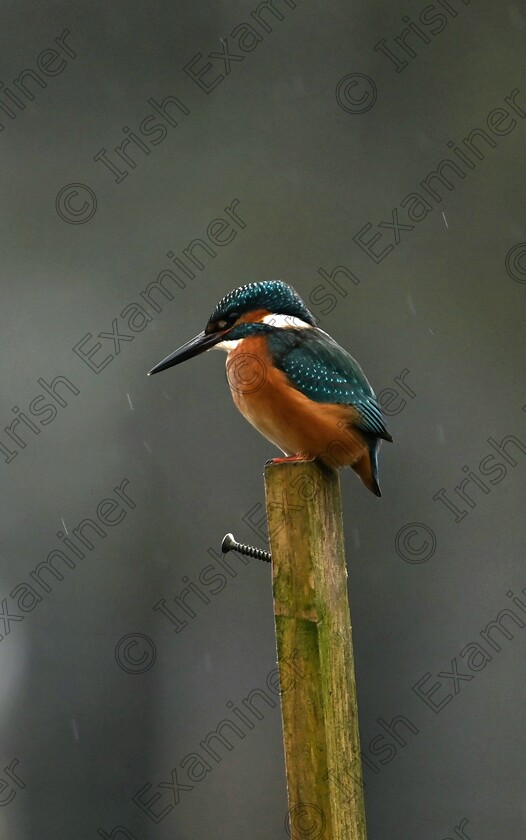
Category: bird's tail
[367,467]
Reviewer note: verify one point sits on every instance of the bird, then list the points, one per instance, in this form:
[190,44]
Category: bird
[293,382]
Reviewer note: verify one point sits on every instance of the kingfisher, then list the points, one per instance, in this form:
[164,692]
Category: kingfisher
[291,380]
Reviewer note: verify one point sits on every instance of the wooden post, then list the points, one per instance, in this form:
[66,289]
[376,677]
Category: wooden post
[313,630]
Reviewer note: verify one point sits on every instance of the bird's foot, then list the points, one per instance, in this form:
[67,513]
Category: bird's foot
[298,457]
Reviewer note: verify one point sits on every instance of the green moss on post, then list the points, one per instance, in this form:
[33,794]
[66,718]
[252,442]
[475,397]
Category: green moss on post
[313,629]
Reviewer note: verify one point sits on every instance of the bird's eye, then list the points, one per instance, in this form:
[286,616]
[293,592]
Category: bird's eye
[230,319]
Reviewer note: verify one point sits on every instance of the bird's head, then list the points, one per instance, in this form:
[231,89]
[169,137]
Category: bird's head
[270,302]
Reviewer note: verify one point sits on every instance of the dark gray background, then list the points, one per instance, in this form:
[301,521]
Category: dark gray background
[308,173]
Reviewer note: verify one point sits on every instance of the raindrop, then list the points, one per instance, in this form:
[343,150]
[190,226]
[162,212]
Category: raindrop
[75,728]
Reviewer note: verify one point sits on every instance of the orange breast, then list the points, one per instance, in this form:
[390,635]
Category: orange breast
[285,416]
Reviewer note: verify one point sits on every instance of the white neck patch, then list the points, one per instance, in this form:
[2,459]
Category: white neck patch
[285,322]
[226,345]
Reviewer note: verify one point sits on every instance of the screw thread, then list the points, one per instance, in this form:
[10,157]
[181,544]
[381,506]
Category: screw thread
[252,551]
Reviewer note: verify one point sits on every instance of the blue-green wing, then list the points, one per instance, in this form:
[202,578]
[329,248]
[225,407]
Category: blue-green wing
[324,372]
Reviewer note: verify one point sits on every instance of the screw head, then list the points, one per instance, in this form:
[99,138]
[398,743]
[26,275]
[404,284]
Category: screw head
[229,543]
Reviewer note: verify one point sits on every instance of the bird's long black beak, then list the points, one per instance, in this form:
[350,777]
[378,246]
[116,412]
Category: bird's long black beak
[194,347]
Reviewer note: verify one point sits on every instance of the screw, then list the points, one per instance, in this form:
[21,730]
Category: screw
[231,544]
